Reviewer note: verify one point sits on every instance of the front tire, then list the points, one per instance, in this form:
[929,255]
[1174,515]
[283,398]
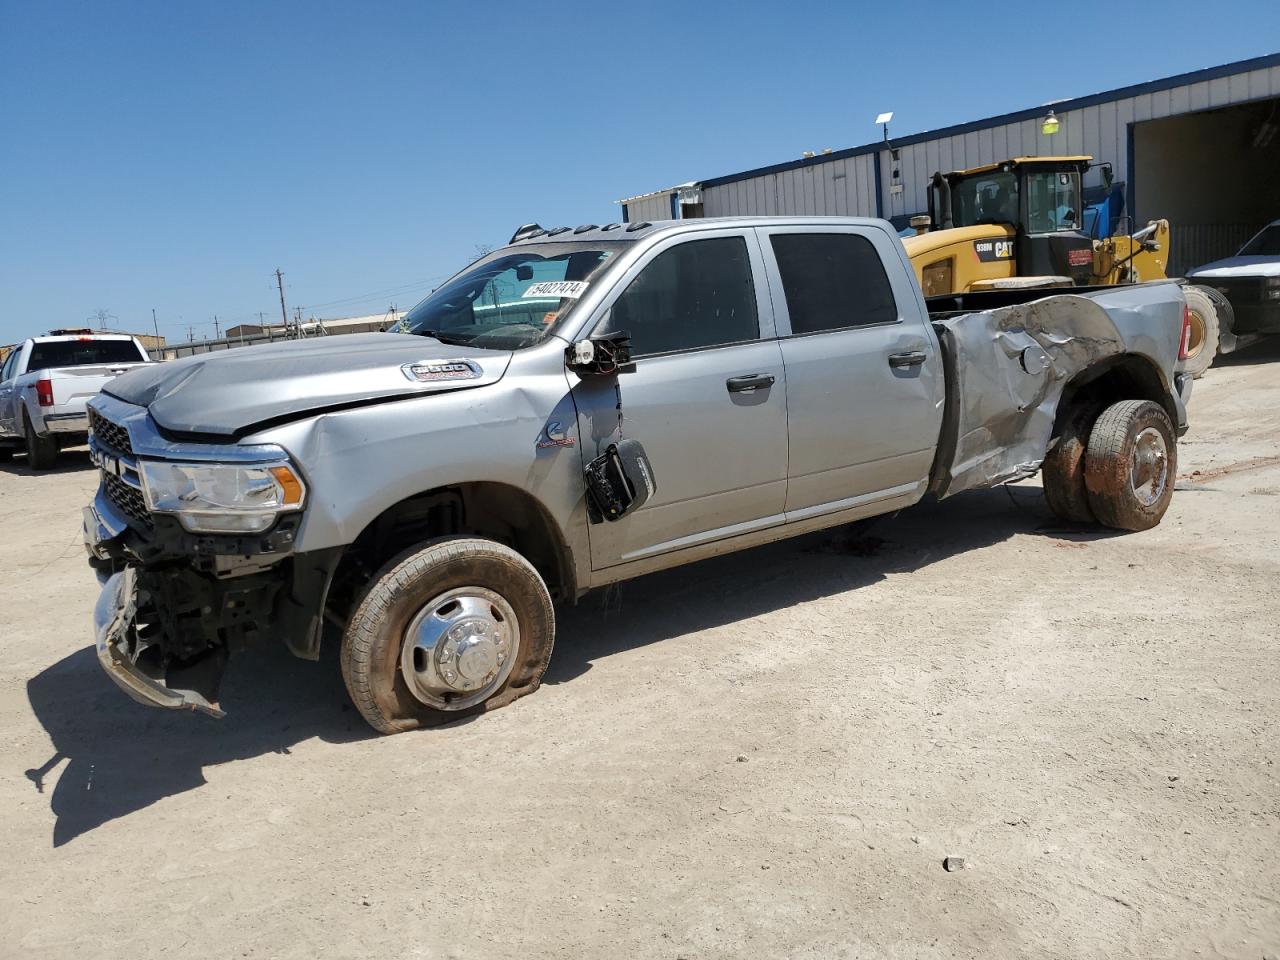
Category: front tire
[1202,346]
[42,452]
[1130,465]
[450,629]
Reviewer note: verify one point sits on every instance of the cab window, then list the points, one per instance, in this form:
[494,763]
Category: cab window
[1053,201]
[985,198]
[694,295]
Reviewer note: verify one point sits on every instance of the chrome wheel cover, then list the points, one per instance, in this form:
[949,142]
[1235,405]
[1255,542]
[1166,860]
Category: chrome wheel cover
[1149,466]
[460,648]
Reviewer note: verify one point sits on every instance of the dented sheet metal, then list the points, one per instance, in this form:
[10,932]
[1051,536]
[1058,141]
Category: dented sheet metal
[1007,369]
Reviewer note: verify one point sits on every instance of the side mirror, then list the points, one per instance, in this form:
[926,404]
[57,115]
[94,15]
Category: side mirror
[524,272]
[601,356]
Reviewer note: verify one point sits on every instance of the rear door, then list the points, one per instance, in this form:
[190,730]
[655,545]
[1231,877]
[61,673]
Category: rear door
[865,384]
[707,398]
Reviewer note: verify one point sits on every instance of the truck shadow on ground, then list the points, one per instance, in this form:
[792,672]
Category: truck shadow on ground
[71,460]
[1265,350]
[121,757]
[740,586]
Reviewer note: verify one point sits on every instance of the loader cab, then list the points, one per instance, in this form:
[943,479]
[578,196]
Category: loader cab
[1035,207]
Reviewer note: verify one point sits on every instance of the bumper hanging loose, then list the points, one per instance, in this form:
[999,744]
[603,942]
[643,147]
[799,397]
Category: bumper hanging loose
[120,650]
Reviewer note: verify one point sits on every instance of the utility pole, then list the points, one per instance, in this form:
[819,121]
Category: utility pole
[217,334]
[191,334]
[284,314]
[156,325]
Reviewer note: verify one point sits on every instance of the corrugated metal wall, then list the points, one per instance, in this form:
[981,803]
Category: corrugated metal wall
[1100,131]
[844,187]
[656,207]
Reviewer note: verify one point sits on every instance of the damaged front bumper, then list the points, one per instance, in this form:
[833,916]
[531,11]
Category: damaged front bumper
[120,650]
[175,607]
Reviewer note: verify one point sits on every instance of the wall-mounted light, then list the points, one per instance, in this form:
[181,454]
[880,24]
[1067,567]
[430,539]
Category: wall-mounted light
[1050,124]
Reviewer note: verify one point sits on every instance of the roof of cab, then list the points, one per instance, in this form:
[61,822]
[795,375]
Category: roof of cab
[532,233]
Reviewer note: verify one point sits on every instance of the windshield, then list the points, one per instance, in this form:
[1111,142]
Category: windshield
[985,198]
[1265,244]
[513,298]
[79,353]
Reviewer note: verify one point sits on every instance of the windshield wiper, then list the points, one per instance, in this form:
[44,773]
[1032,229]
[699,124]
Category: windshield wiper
[443,337]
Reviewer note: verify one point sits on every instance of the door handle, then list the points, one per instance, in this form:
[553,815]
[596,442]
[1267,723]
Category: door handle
[912,359]
[749,382]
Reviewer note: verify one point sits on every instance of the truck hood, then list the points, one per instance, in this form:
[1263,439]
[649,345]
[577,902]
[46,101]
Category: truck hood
[1238,267]
[231,392]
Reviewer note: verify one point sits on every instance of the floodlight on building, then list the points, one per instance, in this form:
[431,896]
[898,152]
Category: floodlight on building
[1050,124]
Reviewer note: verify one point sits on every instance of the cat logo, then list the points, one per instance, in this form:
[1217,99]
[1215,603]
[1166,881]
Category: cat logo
[989,251]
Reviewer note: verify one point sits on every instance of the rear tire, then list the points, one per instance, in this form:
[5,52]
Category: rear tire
[1062,472]
[1203,343]
[1130,465]
[42,452]
[447,630]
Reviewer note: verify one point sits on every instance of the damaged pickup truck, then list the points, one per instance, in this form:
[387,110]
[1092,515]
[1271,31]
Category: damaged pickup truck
[577,408]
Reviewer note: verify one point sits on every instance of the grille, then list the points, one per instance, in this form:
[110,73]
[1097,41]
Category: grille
[128,500]
[109,434]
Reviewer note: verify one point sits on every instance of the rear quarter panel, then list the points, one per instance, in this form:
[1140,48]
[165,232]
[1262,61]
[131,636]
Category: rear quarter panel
[1007,369]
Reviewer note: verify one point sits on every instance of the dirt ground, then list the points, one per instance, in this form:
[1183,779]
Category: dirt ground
[765,755]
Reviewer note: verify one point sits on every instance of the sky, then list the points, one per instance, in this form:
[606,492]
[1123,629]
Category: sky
[170,156]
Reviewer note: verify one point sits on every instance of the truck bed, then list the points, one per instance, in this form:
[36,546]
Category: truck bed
[1010,356]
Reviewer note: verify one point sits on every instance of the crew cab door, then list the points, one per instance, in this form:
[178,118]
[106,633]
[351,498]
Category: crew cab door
[707,398]
[865,384]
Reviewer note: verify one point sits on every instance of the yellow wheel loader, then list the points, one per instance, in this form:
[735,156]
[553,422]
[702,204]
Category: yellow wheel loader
[1020,223]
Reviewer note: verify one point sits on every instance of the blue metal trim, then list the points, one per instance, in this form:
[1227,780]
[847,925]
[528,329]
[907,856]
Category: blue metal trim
[675,205]
[1129,188]
[879,188]
[624,214]
[1110,96]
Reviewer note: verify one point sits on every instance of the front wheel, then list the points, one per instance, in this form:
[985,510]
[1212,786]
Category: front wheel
[452,628]
[1130,465]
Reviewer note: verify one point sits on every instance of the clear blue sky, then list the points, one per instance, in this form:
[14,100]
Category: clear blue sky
[173,154]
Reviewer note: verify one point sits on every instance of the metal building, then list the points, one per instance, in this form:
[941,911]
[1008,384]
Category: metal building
[1200,149]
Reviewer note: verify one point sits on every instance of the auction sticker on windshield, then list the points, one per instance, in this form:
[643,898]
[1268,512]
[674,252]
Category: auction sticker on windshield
[556,288]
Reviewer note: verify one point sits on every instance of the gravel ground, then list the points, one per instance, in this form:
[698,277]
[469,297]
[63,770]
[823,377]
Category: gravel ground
[768,754]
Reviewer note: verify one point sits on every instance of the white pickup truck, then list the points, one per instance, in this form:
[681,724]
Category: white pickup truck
[45,383]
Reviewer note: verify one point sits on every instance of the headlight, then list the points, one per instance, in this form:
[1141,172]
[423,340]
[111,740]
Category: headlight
[222,497]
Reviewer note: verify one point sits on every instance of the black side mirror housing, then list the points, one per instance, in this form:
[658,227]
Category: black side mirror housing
[604,355]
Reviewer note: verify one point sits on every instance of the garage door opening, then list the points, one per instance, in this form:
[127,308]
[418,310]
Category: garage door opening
[1214,175]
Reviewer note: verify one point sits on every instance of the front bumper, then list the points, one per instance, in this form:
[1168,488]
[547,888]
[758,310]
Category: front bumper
[120,650]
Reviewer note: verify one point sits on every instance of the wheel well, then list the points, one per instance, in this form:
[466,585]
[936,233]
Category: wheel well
[1126,377]
[495,511]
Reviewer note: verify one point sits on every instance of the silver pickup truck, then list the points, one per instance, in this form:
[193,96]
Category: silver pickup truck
[577,408]
[46,384]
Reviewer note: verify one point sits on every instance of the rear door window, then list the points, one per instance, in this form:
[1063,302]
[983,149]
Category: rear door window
[82,353]
[832,281]
[697,294]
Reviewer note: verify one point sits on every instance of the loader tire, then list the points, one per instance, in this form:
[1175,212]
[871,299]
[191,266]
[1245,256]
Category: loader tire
[42,452]
[450,628]
[1062,472]
[1202,344]
[1130,465]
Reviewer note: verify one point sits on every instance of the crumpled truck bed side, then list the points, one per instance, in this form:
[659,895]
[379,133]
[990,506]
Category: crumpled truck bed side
[1007,368]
